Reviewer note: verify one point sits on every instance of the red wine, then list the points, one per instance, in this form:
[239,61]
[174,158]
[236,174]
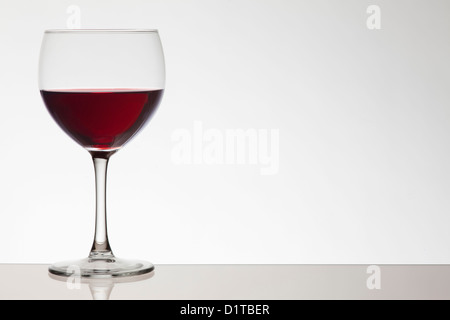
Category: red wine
[101,119]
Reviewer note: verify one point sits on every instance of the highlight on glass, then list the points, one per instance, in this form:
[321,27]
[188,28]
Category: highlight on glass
[101,87]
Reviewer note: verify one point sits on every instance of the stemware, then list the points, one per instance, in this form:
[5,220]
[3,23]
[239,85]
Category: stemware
[101,87]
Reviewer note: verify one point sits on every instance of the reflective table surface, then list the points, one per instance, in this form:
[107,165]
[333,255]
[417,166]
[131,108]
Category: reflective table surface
[235,282]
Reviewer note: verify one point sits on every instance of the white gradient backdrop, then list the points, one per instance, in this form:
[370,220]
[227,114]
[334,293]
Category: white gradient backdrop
[363,117]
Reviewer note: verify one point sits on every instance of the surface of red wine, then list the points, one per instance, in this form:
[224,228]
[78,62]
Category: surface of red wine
[101,119]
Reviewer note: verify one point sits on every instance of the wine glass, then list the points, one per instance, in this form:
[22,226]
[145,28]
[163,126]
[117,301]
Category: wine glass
[101,87]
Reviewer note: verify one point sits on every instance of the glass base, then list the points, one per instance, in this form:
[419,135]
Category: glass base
[101,267]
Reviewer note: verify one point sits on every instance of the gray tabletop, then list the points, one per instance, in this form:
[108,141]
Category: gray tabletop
[236,282]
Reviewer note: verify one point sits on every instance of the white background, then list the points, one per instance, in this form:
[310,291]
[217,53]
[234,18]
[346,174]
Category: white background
[363,116]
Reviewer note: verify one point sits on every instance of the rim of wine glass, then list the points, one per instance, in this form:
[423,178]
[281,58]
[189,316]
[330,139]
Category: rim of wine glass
[101,31]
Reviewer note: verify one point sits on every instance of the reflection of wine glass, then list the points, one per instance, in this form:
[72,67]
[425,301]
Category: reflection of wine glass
[101,287]
[101,87]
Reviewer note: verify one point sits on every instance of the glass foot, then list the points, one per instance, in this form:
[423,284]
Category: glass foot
[101,267]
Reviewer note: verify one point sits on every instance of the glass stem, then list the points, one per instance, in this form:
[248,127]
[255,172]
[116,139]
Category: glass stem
[100,248]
